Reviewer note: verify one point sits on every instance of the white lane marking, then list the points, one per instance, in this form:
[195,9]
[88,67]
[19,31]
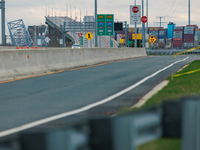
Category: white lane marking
[42,121]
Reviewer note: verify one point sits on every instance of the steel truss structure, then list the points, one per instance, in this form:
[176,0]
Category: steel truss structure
[19,34]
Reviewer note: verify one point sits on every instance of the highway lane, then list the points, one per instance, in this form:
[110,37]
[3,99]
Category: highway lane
[32,99]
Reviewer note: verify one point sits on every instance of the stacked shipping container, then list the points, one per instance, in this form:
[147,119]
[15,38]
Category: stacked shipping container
[197,37]
[178,37]
[189,36]
[161,38]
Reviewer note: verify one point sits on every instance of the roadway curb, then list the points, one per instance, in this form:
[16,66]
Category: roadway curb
[155,90]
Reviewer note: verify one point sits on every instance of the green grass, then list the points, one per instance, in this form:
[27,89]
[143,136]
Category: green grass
[162,144]
[185,85]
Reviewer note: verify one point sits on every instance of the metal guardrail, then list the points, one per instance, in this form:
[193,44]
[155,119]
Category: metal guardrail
[170,52]
[124,132]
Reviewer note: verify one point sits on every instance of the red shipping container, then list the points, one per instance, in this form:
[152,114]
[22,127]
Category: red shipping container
[121,32]
[188,35]
[177,39]
[177,45]
[178,29]
[188,41]
[195,26]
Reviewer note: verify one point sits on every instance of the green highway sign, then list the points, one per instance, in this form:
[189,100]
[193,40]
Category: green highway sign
[82,40]
[130,42]
[101,25]
[110,25]
[105,25]
[111,44]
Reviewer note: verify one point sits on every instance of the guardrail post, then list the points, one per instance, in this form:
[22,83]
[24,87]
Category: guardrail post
[58,139]
[191,124]
[172,119]
[126,132]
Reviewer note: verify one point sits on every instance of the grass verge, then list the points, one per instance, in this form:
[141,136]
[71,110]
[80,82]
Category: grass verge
[184,85]
[162,144]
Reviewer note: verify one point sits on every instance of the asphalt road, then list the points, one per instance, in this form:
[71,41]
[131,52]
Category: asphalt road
[28,100]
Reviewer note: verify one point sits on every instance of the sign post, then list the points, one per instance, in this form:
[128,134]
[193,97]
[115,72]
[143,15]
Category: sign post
[135,15]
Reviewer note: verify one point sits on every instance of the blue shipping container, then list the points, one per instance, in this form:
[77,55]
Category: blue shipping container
[170,30]
[161,36]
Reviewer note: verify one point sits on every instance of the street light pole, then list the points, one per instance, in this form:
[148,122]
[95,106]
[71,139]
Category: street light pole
[95,23]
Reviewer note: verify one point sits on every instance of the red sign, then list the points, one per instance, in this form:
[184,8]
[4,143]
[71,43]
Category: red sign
[144,19]
[80,35]
[121,36]
[135,9]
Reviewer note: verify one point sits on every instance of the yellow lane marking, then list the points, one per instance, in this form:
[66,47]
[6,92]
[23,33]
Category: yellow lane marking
[189,50]
[189,72]
[11,80]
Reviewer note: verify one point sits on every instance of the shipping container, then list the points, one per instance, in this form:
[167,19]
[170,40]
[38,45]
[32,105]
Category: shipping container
[170,29]
[178,37]
[189,33]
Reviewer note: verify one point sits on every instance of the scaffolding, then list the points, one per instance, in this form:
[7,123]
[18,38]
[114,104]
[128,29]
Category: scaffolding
[19,34]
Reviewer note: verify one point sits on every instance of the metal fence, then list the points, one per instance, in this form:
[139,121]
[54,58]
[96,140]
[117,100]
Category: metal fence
[124,132]
[171,52]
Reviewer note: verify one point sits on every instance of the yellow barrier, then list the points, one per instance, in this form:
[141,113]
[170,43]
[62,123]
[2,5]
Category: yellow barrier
[189,72]
[192,49]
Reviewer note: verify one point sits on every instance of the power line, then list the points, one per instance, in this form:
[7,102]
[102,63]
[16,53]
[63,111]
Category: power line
[160,17]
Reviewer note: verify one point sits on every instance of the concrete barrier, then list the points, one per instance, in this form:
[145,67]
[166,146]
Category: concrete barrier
[26,62]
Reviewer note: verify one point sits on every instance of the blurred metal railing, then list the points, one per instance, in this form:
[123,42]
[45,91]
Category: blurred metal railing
[171,52]
[124,132]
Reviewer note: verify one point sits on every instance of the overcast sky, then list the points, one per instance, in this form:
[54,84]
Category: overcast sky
[33,11]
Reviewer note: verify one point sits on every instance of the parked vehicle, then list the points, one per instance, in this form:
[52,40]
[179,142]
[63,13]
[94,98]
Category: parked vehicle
[76,46]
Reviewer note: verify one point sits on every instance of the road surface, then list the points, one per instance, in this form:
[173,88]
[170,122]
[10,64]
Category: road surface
[29,100]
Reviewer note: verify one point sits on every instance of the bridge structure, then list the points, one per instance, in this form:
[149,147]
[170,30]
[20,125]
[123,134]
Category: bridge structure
[59,25]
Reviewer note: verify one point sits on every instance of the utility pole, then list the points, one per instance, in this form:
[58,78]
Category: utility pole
[95,4]
[160,22]
[188,12]
[3,23]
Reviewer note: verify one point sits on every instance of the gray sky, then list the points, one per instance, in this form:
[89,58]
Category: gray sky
[33,11]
